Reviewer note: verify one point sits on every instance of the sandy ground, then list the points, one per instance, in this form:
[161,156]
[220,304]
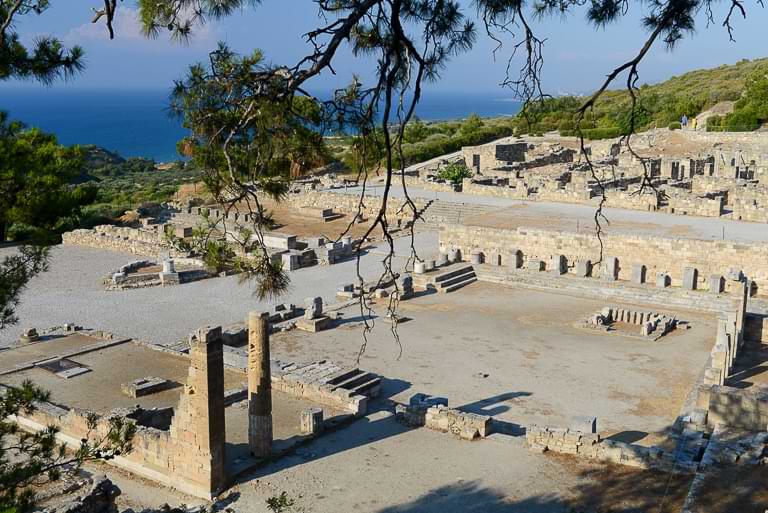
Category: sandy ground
[518,355]
[72,291]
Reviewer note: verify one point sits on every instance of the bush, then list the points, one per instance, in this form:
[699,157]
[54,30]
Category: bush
[675,125]
[454,172]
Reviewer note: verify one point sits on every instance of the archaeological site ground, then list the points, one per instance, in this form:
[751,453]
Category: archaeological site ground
[526,359]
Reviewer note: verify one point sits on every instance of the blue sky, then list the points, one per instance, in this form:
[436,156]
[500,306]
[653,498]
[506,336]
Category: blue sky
[577,55]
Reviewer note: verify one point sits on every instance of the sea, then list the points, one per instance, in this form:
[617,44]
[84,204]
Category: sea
[138,123]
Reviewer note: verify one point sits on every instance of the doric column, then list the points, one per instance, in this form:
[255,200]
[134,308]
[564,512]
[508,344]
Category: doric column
[259,386]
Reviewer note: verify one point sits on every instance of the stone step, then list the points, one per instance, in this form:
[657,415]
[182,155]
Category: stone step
[457,279]
[459,285]
[357,381]
[342,376]
[370,388]
[452,273]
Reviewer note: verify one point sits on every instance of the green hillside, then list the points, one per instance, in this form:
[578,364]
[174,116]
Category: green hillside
[663,104]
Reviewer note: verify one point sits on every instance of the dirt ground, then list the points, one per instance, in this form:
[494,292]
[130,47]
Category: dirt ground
[517,354]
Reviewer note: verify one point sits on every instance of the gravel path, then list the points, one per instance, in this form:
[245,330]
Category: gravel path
[72,291]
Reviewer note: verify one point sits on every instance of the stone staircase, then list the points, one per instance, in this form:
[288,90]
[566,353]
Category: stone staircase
[438,212]
[446,279]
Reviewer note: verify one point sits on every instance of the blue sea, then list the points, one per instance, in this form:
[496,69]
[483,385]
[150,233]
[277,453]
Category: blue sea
[137,123]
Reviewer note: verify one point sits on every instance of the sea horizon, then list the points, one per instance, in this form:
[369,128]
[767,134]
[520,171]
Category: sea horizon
[137,123]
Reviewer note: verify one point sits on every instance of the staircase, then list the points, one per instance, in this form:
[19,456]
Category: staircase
[446,279]
[439,212]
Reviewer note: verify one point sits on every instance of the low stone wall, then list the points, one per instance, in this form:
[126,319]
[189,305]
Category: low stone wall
[349,203]
[658,254]
[593,446]
[127,240]
[694,205]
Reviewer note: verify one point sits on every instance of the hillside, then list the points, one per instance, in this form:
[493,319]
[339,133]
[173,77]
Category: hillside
[663,104]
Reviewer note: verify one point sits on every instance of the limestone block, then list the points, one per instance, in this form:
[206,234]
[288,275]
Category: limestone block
[690,277]
[534,265]
[716,284]
[610,269]
[662,280]
[313,308]
[429,265]
[515,259]
[419,268]
[584,424]
[476,257]
[454,256]
[291,261]
[169,266]
[638,274]
[29,335]
[314,325]
[583,268]
[558,265]
[311,421]
[442,259]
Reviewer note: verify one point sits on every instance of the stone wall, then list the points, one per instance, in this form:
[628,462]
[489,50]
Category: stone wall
[694,205]
[128,240]
[593,446]
[348,204]
[736,408]
[658,254]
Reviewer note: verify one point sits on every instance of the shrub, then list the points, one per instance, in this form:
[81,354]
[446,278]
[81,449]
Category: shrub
[454,172]
[675,125]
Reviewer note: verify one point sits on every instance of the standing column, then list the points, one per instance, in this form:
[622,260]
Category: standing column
[259,386]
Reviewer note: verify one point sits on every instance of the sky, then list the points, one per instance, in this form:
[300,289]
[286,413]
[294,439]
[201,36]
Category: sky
[577,55]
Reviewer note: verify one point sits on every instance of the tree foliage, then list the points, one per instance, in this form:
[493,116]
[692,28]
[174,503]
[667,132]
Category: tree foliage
[35,176]
[45,60]
[454,172]
[33,459]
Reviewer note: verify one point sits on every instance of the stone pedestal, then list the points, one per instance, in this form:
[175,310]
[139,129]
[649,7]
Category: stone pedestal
[558,265]
[610,268]
[638,274]
[662,280]
[419,268]
[476,258]
[716,284]
[311,421]
[259,386]
[690,277]
[583,268]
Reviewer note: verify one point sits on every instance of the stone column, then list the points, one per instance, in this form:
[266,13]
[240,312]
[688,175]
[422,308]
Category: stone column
[259,386]
[198,430]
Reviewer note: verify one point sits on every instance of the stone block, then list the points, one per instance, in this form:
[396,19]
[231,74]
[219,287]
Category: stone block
[584,424]
[429,265]
[454,256]
[442,259]
[419,268]
[662,280]
[583,268]
[314,325]
[515,259]
[290,261]
[280,240]
[716,284]
[476,257]
[313,308]
[638,274]
[558,265]
[610,269]
[690,277]
[182,231]
[534,265]
[144,386]
[29,335]
[311,421]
